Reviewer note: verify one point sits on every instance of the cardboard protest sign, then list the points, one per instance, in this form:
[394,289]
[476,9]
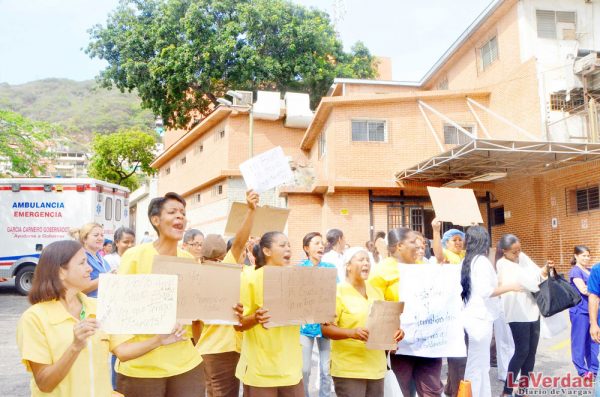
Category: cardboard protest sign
[266,219]
[206,291]
[267,170]
[458,206]
[299,295]
[383,322]
[137,303]
[431,319]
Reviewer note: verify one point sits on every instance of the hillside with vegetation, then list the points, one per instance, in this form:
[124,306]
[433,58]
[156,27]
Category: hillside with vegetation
[80,107]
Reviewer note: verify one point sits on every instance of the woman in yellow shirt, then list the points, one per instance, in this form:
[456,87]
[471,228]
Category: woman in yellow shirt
[58,335]
[450,248]
[271,360]
[356,370]
[173,370]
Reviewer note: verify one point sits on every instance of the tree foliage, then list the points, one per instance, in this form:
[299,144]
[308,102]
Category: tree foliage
[23,143]
[121,156]
[180,55]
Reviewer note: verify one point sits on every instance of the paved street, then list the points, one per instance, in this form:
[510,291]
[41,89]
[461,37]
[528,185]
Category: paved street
[553,357]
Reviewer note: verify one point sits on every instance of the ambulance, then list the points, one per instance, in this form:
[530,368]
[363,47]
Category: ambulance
[37,211]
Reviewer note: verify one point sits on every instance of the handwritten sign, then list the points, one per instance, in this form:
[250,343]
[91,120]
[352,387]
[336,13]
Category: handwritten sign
[458,206]
[137,303]
[266,219]
[206,291]
[267,170]
[383,323]
[299,295]
[431,318]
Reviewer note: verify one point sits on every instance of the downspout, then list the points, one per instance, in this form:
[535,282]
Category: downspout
[488,207]
[371,226]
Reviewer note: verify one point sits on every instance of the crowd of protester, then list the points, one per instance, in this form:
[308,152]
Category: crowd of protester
[66,351]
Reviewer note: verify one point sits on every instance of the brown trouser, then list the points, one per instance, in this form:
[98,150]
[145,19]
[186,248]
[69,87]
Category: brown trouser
[349,387]
[219,370]
[282,391]
[426,373]
[187,384]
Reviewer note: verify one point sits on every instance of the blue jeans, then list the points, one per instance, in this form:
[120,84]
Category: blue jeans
[324,346]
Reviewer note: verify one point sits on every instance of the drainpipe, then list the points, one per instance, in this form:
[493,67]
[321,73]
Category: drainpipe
[488,207]
[371,226]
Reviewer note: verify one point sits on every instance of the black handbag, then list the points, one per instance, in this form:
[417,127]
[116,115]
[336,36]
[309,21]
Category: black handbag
[555,295]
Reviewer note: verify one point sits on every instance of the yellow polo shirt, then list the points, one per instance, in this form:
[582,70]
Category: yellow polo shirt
[45,332]
[454,258]
[220,338]
[385,277]
[350,358]
[270,357]
[164,361]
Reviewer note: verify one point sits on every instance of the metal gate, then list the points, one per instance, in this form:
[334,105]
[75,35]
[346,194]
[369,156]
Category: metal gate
[411,216]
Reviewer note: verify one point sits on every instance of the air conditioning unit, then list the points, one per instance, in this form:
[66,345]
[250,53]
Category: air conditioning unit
[585,64]
[247,98]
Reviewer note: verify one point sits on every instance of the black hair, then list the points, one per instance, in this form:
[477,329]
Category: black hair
[396,236]
[191,234]
[379,234]
[266,241]
[477,242]
[505,242]
[119,233]
[578,250]
[157,203]
[307,239]
[333,236]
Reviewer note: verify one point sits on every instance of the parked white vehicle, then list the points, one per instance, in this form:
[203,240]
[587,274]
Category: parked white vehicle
[37,211]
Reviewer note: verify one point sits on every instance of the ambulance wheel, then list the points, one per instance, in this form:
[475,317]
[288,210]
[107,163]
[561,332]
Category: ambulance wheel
[24,278]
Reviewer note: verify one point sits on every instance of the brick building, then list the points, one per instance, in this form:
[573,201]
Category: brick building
[508,110]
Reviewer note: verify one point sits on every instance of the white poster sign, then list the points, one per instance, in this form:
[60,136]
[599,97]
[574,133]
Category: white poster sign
[431,318]
[137,303]
[267,170]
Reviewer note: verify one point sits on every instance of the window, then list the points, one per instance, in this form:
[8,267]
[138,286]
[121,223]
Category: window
[118,209]
[167,170]
[219,135]
[587,199]
[183,160]
[443,84]
[453,136]
[489,52]
[199,148]
[498,216]
[108,209]
[368,130]
[198,198]
[556,24]
[217,190]
[322,144]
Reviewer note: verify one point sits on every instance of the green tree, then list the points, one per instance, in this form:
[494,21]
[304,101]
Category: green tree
[180,55]
[121,156]
[23,143]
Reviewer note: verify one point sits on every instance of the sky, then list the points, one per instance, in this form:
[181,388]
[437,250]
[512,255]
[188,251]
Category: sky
[45,38]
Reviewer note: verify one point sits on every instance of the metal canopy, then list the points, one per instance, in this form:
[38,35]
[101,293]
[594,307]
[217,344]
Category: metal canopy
[484,156]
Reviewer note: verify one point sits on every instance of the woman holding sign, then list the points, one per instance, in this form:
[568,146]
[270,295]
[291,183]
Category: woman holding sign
[173,370]
[356,370]
[424,373]
[58,336]
[311,333]
[271,360]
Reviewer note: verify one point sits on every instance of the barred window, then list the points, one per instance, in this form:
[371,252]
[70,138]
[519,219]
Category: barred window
[368,130]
